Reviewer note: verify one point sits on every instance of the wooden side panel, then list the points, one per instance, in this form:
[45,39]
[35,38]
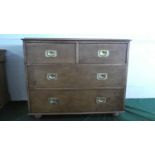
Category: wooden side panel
[4,95]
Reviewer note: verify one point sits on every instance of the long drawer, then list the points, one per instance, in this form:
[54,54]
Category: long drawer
[103,53]
[69,101]
[76,76]
[50,53]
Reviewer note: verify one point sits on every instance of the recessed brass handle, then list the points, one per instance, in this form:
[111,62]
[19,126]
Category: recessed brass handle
[101,100]
[103,53]
[52,100]
[50,53]
[51,76]
[102,76]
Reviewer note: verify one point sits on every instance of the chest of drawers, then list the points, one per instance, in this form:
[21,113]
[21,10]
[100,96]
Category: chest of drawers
[75,76]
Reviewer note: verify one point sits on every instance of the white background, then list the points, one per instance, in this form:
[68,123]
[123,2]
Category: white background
[77,138]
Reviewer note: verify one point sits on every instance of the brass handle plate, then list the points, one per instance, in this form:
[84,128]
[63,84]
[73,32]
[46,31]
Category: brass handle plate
[51,76]
[53,101]
[101,100]
[103,53]
[102,76]
[50,53]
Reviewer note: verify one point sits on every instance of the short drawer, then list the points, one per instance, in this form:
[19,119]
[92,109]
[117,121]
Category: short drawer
[103,53]
[69,101]
[76,76]
[50,53]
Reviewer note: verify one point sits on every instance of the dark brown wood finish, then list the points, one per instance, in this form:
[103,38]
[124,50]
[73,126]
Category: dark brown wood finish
[36,53]
[75,68]
[92,40]
[88,53]
[76,101]
[4,95]
[76,76]
[126,71]
[26,73]
[2,56]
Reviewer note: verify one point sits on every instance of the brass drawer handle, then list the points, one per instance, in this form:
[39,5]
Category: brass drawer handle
[102,76]
[53,101]
[101,100]
[103,53]
[51,76]
[50,53]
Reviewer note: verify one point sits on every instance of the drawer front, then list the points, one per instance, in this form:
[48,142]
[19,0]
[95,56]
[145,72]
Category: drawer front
[69,101]
[50,53]
[103,53]
[76,76]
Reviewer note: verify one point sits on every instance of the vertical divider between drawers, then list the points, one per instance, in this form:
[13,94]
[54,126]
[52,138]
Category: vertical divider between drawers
[77,53]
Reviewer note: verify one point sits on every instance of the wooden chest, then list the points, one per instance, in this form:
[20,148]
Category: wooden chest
[75,76]
[4,95]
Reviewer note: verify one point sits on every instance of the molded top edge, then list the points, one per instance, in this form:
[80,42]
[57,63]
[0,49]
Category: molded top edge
[75,39]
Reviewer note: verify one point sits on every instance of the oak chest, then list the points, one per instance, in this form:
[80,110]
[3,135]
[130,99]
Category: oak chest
[75,76]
